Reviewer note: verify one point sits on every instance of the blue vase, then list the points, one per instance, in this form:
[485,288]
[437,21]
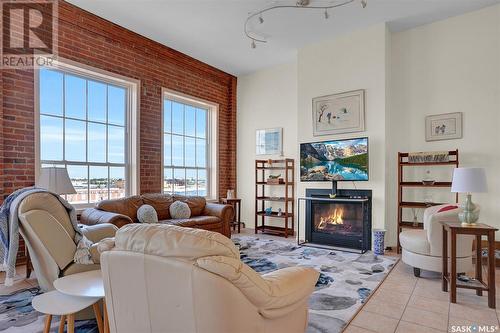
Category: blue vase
[378,241]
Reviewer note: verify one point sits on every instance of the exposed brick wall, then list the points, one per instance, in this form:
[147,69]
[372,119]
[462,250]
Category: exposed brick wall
[90,40]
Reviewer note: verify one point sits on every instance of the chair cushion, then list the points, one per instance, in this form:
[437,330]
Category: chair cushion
[415,241]
[180,210]
[172,241]
[147,214]
[193,221]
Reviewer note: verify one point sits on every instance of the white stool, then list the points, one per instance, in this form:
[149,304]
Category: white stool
[59,304]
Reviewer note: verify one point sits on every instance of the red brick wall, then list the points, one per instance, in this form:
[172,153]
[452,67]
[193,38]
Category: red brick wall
[90,40]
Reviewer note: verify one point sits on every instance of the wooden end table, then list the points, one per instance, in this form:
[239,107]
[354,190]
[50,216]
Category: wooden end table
[236,203]
[478,230]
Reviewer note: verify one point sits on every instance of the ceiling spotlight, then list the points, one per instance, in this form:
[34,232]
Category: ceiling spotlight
[253,44]
[326,14]
[261,19]
[363,3]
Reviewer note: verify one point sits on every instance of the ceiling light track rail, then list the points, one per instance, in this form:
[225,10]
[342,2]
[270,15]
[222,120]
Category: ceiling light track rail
[301,4]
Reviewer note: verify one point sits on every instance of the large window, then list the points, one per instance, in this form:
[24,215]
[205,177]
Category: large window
[84,123]
[188,149]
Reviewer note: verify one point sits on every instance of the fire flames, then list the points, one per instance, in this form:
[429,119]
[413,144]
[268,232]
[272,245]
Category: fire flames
[335,218]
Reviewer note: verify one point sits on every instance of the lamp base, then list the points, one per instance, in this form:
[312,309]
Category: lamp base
[468,216]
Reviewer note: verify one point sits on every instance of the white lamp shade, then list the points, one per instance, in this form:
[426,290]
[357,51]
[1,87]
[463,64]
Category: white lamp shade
[56,180]
[469,180]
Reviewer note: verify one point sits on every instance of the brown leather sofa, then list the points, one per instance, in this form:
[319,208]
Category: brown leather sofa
[204,215]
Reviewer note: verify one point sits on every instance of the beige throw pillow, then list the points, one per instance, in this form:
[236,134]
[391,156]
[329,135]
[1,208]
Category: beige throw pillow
[180,210]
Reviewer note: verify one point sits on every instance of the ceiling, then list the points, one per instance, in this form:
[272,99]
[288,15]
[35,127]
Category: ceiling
[212,30]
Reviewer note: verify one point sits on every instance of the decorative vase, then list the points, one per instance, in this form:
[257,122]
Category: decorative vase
[378,241]
[230,194]
[468,216]
[428,180]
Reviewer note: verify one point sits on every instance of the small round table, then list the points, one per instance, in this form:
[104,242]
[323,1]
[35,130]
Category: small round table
[85,284]
[55,303]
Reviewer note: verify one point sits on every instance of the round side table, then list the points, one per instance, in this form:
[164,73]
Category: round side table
[85,284]
[55,303]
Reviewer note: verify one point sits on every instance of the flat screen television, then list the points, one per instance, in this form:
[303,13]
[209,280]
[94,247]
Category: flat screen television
[334,160]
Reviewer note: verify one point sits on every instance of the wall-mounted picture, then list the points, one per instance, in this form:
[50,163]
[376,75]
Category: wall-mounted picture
[443,126]
[334,160]
[269,141]
[339,113]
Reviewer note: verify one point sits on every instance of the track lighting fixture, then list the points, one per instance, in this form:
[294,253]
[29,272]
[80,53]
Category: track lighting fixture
[298,4]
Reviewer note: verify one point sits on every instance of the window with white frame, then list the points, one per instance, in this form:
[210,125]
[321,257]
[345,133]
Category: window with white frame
[189,149]
[85,125]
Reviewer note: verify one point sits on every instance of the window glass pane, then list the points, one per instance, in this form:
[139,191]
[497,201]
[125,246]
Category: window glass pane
[116,144]
[96,142]
[75,97]
[201,151]
[201,123]
[116,105]
[117,183]
[51,138]
[177,150]
[51,92]
[202,182]
[177,118]
[179,181]
[167,116]
[167,149]
[98,180]
[78,175]
[189,117]
[97,101]
[74,139]
[168,182]
[190,151]
[191,182]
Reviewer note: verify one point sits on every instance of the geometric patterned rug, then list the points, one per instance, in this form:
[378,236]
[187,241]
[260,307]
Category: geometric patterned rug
[346,280]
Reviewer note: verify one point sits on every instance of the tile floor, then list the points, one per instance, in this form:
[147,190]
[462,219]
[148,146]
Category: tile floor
[402,303]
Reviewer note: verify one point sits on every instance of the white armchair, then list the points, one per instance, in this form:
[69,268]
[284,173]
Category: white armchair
[422,249]
[164,278]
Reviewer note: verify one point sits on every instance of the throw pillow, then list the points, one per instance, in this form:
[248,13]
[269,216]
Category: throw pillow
[447,208]
[180,210]
[147,214]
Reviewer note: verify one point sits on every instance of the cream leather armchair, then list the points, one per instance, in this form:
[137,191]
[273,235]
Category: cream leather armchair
[191,280]
[48,233]
[422,249]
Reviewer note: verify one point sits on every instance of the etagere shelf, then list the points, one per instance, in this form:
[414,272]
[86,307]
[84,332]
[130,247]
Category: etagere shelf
[263,169]
[403,162]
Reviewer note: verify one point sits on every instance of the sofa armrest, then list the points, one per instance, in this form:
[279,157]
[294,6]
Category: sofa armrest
[95,233]
[224,212]
[92,216]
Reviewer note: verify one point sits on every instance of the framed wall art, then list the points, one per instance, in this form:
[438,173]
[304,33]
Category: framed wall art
[269,141]
[339,113]
[445,126]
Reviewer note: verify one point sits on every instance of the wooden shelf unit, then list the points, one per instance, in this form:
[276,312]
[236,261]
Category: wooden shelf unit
[402,164]
[264,168]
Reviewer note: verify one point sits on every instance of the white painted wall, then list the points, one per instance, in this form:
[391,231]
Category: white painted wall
[351,62]
[448,66]
[266,99]
[451,66]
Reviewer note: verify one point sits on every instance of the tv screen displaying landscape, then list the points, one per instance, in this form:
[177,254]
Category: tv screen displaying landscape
[334,160]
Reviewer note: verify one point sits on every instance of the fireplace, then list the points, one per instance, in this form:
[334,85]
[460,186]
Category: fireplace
[343,221]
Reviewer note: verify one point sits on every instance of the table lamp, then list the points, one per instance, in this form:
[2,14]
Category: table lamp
[56,180]
[469,180]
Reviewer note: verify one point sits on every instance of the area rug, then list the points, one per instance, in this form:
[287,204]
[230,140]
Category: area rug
[346,280]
